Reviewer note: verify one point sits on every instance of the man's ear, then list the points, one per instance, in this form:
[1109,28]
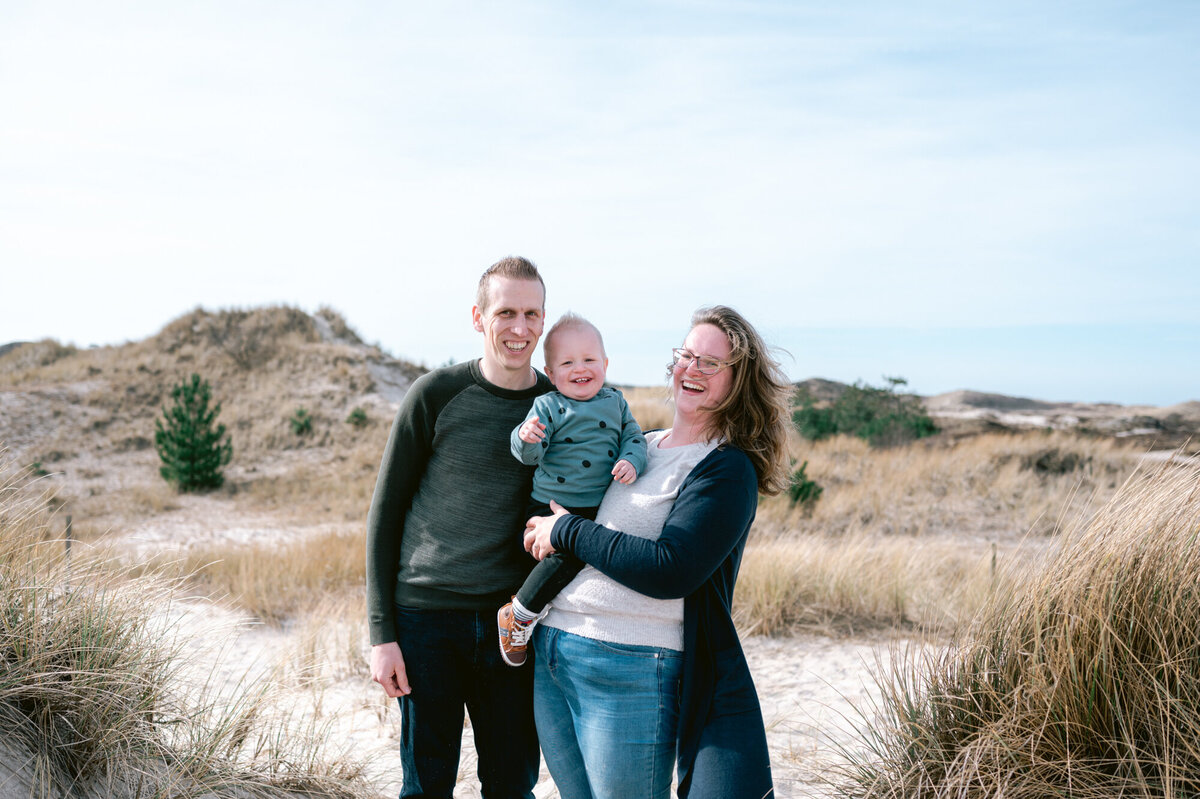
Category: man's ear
[477,318]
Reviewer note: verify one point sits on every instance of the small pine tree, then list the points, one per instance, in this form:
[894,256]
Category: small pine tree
[192,447]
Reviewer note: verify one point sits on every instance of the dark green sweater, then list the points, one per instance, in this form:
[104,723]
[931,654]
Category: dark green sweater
[445,521]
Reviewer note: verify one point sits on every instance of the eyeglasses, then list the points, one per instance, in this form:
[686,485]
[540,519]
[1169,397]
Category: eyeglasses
[705,364]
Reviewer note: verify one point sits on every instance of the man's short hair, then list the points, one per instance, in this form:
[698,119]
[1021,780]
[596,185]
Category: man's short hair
[568,321]
[513,267]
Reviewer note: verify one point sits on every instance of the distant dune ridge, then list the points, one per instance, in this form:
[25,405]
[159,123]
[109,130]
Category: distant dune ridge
[1169,426]
[263,364]
[966,412]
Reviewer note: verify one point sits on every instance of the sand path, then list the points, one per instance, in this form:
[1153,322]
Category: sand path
[806,685]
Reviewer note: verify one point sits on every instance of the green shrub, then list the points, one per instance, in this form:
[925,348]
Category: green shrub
[812,422]
[357,418]
[881,416]
[192,446]
[301,421]
[803,491]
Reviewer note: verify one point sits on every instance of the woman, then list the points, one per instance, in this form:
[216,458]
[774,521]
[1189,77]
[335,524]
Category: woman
[638,659]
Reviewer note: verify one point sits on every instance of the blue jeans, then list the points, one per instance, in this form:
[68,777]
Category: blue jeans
[453,661]
[607,715]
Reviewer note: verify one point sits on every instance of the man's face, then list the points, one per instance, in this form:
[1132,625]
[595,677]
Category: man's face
[511,325]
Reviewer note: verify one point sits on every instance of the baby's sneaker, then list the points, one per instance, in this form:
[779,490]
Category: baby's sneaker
[514,636]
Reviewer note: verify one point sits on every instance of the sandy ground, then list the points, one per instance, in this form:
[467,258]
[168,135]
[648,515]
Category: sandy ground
[807,686]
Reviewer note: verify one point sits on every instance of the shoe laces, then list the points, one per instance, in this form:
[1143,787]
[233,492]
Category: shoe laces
[518,633]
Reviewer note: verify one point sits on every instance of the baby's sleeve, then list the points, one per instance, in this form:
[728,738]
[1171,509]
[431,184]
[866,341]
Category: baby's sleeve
[633,441]
[526,453]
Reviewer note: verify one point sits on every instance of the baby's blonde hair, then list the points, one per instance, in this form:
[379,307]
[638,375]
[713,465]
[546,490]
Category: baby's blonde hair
[569,321]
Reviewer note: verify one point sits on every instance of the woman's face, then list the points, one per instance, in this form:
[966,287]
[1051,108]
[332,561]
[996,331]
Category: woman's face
[695,393]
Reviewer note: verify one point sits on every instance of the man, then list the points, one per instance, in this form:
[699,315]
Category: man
[444,550]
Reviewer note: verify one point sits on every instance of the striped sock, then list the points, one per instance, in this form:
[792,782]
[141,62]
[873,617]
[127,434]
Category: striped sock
[521,614]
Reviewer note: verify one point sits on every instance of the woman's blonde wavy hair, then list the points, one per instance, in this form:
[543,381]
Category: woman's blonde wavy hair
[754,416]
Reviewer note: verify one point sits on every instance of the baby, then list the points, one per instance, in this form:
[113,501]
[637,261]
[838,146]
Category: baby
[581,437]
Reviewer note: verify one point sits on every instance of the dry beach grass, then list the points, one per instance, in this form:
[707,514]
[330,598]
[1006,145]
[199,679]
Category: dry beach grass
[96,697]
[1081,679]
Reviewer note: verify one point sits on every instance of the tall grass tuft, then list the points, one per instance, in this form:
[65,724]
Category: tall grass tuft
[1082,682]
[94,697]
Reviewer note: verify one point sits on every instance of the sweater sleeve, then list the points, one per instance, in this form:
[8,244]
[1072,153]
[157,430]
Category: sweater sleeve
[633,440]
[526,453]
[714,508]
[408,449]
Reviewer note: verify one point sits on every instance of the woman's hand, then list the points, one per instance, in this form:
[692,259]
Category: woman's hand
[538,529]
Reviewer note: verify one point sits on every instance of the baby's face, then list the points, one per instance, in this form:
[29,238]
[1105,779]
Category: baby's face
[576,363]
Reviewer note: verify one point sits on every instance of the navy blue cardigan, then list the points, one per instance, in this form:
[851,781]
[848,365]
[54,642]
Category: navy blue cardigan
[722,744]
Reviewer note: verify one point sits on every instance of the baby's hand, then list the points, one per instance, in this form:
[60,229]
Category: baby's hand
[623,472]
[532,431]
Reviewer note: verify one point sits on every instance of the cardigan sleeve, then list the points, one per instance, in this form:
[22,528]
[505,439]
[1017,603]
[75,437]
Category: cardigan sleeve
[526,453]
[711,514]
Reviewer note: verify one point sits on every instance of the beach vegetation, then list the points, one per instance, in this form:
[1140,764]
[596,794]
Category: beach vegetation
[1081,679]
[99,696]
[190,442]
[883,416]
[301,422]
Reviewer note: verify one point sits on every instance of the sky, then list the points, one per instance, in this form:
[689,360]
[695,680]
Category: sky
[1000,196]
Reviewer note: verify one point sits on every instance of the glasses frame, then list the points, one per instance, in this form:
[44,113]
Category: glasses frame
[683,355]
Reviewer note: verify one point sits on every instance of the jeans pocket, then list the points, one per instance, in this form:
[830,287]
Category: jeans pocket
[637,650]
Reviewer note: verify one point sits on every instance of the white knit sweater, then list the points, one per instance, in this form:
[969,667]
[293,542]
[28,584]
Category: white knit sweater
[596,606]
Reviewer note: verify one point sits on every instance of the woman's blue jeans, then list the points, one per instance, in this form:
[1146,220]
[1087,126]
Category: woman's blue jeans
[607,715]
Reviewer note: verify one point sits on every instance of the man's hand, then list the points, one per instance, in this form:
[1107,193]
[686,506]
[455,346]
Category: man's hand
[387,669]
[623,472]
[532,431]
